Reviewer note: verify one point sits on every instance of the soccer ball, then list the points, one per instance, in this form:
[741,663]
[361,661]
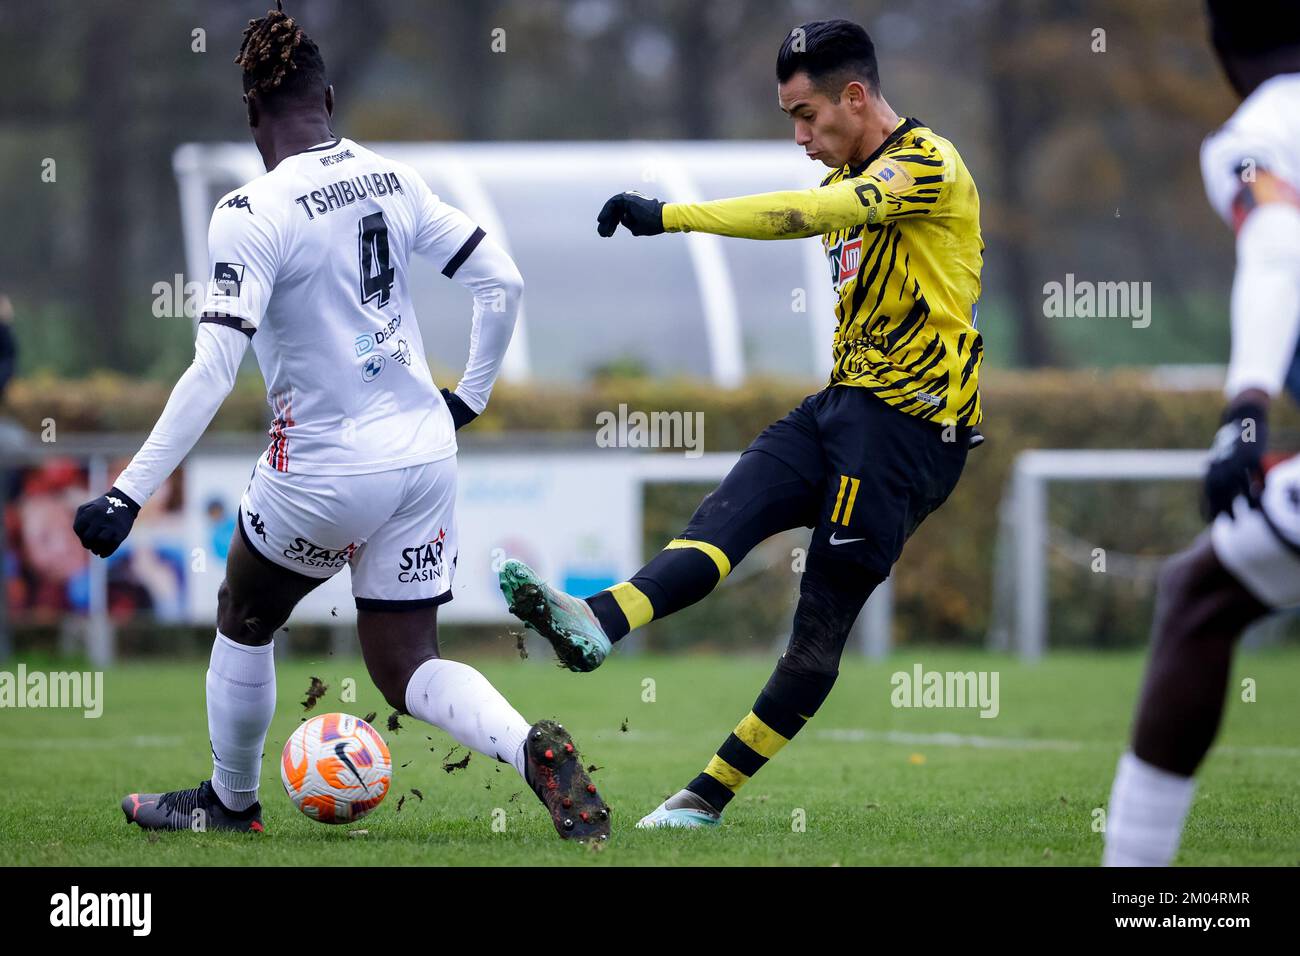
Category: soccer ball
[336,768]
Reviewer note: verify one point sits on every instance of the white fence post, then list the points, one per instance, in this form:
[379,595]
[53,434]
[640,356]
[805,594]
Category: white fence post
[873,631]
[1030,571]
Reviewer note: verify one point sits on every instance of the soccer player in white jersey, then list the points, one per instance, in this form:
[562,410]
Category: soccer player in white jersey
[311,264]
[1248,562]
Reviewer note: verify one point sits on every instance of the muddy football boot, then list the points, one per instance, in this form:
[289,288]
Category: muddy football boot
[553,768]
[566,621]
[196,809]
[683,809]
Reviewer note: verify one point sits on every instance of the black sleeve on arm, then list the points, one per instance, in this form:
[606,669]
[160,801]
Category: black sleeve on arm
[463,252]
[229,321]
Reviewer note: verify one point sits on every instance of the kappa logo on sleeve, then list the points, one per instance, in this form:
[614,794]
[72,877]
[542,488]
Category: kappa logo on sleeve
[238,202]
[228,279]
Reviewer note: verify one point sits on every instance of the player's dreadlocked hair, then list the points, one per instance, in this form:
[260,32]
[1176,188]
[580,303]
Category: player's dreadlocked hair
[280,61]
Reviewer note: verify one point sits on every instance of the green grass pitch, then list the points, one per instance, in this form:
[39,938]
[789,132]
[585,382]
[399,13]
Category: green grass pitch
[865,783]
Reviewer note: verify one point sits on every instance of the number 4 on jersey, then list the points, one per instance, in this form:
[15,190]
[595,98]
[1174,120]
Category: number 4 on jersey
[376,273]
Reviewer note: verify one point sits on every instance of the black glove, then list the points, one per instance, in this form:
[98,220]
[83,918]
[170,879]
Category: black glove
[641,215]
[1236,459]
[103,524]
[461,414]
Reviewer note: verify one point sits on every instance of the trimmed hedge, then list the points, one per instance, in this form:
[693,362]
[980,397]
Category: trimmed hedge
[944,583]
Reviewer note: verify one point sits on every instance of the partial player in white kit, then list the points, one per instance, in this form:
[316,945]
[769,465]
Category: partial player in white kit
[310,263]
[1248,563]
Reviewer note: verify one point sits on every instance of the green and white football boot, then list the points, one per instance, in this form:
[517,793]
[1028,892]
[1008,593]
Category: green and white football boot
[565,621]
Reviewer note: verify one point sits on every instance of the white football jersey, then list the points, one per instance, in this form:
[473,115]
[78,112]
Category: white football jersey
[312,261]
[1264,133]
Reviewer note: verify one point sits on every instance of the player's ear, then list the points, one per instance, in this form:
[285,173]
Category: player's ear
[856,93]
[254,109]
[329,100]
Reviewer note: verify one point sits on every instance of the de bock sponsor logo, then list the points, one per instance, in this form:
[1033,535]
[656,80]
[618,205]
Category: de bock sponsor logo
[75,908]
[314,556]
[424,561]
[369,341]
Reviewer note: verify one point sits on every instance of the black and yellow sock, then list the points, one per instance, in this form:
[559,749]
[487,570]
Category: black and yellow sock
[682,573]
[789,701]
[831,596]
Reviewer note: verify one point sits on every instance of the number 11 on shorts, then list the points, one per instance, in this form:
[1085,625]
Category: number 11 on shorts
[850,485]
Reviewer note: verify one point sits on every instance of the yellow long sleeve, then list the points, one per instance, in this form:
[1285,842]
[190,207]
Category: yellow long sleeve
[790,214]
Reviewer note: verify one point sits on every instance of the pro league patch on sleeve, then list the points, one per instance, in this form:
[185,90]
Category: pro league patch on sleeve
[227,278]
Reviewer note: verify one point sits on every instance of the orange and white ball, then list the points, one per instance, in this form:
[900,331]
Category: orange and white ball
[336,768]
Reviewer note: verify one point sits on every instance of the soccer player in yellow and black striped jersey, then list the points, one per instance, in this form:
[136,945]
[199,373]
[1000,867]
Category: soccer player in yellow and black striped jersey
[864,460]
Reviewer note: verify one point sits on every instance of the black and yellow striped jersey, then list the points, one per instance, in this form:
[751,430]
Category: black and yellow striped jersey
[902,233]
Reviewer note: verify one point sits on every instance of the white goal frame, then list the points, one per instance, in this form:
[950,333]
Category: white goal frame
[1024,515]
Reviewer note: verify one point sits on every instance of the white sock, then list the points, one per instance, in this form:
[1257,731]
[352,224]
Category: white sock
[1144,820]
[458,699]
[241,703]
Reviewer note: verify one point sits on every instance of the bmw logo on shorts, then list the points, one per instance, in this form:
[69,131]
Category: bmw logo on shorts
[372,367]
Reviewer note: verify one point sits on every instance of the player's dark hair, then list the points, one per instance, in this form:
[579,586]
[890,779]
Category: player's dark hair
[1253,44]
[832,53]
[280,61]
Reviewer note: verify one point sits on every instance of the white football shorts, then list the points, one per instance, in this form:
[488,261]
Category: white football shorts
[395,529]
[1261,546]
